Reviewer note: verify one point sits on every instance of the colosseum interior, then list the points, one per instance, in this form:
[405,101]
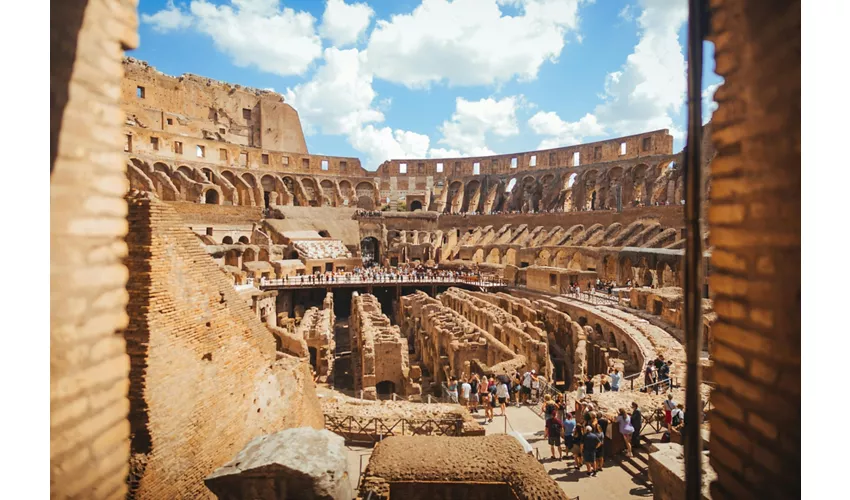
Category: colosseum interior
[270,323]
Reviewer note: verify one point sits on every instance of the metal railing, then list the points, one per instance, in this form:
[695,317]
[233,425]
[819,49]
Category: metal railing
[305,281]
[374,430]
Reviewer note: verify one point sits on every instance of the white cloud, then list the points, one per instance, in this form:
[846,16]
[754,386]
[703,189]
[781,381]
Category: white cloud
[338,99]
[709,105]
[562,133]
[626,14]
[467,129]
[650,87]
[258,33]
[168,19]
[644,94]
[343,24]
[381,144]
[470,42]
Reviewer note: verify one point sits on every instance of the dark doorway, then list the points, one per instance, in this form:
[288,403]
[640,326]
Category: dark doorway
[593,200]
[369,250]
[329,267]
[415,205]
[266,198]
[211,197]
[385,388]
[313,357]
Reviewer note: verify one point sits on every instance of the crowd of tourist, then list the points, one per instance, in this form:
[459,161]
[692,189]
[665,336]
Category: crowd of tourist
[500,391]
[657,376]
[586,441]
[368,213]
[402,273]
[606,286]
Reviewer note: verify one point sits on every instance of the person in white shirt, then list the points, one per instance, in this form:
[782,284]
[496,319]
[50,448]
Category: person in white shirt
[669,405]
[502,395]
[615,380]
[465,390]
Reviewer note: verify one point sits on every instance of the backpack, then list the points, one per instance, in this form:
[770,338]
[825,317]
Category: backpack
[666,437]
[676,420]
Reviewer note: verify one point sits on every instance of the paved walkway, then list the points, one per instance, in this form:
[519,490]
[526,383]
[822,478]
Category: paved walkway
[612,483]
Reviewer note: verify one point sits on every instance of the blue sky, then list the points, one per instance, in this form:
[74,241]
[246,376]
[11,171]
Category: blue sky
[384,79]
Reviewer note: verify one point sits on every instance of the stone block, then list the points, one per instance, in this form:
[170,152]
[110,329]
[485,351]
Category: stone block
[301,463]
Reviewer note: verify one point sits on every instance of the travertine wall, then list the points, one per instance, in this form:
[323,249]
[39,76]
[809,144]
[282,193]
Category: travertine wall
[192,106]
[204,375]
[317,329]
[381,351]
[447,343]
[522,337]
[755,230]
[89,432]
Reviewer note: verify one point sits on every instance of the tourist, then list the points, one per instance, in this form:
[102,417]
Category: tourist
[526,387]
[669,405]
[517,388]
[452,390]
[553,433]
[637,423]
[667,374]
[677,418]
[466,392]
[535,387]
[578,446]
[602,427]
[606,386]
[549,407]
[581,390]
[502,393]
[664,376]
[569,425]
[648,377]
[484,393]
[588,384]
[615,379]
[626,429]
[473,387]
[592,443]
[561,407]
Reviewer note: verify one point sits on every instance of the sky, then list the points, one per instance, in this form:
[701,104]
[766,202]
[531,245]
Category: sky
[393,79]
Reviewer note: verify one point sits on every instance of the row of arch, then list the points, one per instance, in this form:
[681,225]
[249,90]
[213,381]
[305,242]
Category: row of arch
[591,188]
[232,187]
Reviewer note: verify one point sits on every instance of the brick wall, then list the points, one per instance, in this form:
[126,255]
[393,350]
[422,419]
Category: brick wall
[203,376]
[755,229]
[88,365]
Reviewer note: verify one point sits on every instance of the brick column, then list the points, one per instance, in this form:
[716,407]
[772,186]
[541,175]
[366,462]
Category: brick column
[754,217]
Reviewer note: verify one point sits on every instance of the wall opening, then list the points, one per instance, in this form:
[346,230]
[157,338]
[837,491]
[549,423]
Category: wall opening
[533,161]
[128,146]
[222,154]
[476,168]
[325,165]
[369,250]
[246,113]
[244,240]
[200,151]
[439,168]
[140,92]
[576,159]
[415,205]
[155,143]
[385,388]
[227,240]
[513,162]
[211,197]
[264,158]
[622,148]
[402,168]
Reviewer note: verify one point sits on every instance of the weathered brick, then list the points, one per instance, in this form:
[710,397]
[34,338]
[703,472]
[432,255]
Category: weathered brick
[761,425]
